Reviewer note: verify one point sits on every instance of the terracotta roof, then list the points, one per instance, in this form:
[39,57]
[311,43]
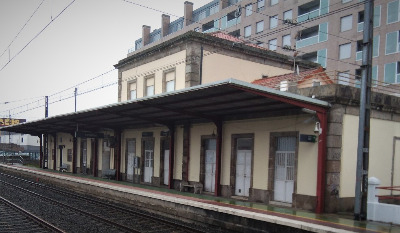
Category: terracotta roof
[274,82]
[225,36]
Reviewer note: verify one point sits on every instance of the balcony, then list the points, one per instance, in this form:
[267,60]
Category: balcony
[229,20]
[155,35]
[306,42]
[313,35]
[307,16]
[205,11]
[176,25]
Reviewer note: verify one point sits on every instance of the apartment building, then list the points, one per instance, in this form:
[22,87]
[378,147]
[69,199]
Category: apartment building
[328,32]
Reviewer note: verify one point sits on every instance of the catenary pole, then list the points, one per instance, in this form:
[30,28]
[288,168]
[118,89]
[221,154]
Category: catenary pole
[360,205]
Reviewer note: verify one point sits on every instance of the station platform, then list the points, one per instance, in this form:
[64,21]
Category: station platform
[304,220]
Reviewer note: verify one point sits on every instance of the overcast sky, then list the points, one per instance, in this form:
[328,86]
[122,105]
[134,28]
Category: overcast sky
[83,42]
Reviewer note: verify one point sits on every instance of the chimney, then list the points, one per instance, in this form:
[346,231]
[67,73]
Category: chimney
[223,4]
[145,35]
[188,9]
[165,20]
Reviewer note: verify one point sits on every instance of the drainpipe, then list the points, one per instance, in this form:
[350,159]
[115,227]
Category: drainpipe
[323,119]
[201,64]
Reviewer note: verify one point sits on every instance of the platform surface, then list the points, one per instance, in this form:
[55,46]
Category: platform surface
[279,215]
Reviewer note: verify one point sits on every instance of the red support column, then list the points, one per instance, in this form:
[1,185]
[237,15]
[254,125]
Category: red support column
[171,157]
[95,160]
[321,176]
[218,159]
[41,152]
[117,155]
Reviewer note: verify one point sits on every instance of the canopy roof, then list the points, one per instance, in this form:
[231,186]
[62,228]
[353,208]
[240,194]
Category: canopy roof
[220,101]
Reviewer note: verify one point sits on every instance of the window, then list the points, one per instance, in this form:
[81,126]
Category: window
[208,26]
[132,94]
[346,1]
[149,88]
[249,9]
[343,78]
[69,155]
[273,21]
[377,16]
[360,25]
[392,72]
[393,11]
[288,14]
[260,5]
[259,26]
[169,82]
[358,74]
[247,31]
[392,42]
[345,51]
[274,2]
[259,43]
[346,23]
[272,44]
[286,41]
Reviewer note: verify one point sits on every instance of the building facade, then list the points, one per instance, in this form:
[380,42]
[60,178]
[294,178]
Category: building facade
[328,32]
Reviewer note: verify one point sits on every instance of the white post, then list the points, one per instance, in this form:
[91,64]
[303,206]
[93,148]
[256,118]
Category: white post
[373,182]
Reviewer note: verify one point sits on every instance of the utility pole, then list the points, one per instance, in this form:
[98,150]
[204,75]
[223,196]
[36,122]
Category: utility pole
[46,136]
[76,92]
[361,189]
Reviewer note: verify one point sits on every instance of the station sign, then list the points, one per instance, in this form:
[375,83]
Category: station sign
[81,134]
[10,121]
[308,138]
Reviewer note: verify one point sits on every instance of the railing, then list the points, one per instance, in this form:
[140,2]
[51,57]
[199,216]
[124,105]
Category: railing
[232,22]
[359,55]
[308,15]
[175,25]
[138,45]
[307,41]
[360,27]
[205,11]
[155,35]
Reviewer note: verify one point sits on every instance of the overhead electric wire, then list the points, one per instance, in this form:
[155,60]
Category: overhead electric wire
[15,37]
[40,32]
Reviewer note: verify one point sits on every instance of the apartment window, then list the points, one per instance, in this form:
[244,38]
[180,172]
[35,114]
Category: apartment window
[208,26]
[260,44]
[343,78]
[169,81]
[259,26]
[346,1]
[374,77]
[377,16]
[346,23]
[272,44]
[273,21]
[274,2]
[286,41]
[260,5]
[392,72]
[247,31]
[360,22]
[345,51]
[393,11]
[132,87]
[69,155]
[392,42]
[288,14]
[249,9]
[149,82]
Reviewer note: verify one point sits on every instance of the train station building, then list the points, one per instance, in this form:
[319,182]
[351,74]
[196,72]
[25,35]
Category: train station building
[188,116]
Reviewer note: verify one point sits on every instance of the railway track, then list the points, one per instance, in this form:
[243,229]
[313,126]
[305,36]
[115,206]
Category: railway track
[81,213]
[15,219]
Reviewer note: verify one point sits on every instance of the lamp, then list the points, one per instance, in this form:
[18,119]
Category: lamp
[317,129]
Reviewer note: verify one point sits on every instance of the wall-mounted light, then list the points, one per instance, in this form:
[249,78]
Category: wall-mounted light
[317,129]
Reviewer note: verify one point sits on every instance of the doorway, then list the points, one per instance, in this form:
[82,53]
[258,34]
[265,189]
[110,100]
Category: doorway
[130,159]
[148,158]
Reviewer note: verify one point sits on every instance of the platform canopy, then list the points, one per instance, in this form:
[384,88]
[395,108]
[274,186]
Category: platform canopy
[219,101]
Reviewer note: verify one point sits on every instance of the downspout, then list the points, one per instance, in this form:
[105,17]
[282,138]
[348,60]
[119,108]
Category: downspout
[321,171]
[201,64]
[117,154]
[171,157]
[74,153]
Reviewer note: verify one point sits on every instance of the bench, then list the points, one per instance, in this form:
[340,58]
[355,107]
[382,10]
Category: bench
[109,173]
[197,187]
[64,167]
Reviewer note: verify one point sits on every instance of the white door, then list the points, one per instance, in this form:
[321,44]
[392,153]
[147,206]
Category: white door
[148,165]
[284,169]
[166,166]
[105,161]
[243,172]
[131,157]
[209,182]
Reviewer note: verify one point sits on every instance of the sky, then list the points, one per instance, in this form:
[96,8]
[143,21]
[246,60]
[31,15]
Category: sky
[66,43]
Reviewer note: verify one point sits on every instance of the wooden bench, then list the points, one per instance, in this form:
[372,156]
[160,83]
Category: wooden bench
[197,187]
[109,173]
[64,167]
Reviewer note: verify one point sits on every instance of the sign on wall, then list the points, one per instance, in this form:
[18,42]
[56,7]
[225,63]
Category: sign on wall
[10,121]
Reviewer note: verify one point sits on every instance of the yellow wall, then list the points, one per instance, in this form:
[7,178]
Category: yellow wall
[220,67]
[381,151]
[308,152]
[152,68]
[178,153]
